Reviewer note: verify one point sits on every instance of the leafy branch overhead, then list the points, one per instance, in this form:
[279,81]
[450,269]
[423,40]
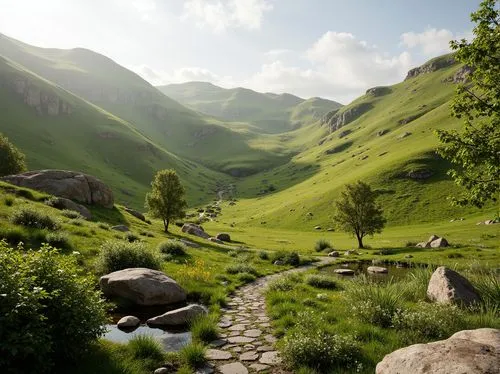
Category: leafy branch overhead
[476,150]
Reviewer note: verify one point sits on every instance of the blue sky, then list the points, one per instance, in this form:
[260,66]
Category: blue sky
[330,48]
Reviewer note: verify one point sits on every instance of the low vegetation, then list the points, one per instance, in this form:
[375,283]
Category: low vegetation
[117,255]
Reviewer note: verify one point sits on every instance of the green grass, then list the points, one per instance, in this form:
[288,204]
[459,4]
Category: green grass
[204,329]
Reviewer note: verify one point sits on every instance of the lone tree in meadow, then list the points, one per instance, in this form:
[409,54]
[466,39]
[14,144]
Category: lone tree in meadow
[476,150]
[12,161]
[166,199]
[357,212]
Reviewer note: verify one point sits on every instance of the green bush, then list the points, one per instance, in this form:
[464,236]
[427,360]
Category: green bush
[103,226]
[172,247]
[310,345]
[193,355]
[71,214]
[321,281]
[58,240]
[12,160]
[131,237]
[287,258]
[204,329]
[246,277]
[30,217]
[241,268]
[375,303]
[13,236]
[263,255]
[146,347]
[427,321]
[8,200]
[118,255]
[284,283]
[487,283]
[321,245]
[49,311]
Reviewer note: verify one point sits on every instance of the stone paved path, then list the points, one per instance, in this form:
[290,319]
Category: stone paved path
[246,344]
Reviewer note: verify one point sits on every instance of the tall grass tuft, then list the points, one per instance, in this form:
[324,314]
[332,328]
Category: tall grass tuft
[172,247]
[118,255]
[146,347]
[204,329]
[321,281]
[321,245]
[37,219]
[193,355]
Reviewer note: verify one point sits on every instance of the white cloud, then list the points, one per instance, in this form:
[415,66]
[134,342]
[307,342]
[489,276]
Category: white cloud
[220,15]
[432,41]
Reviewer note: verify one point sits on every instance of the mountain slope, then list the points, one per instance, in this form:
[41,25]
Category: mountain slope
[270,113]
[57,129]
[386,138]
[162,120]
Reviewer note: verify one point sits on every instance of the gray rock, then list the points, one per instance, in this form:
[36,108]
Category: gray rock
[215,354]
[136,214]
[178,317]
[63,203]
[240,339]
[192,229]
[161,371]
[249,356]
[142,286]
[334,254]
[270,358]
[439,243]
[68,184]
[224,237]
[344,271]
[471,352]
[377,269]
[128,321]
[121,228]
[233,368]
[215,240]
[259,367]
[447,286]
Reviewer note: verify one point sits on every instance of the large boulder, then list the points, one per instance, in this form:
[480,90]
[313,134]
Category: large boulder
[447,286]
[68,184]
[63,203]
[191,228]
[224,237]
[178,317]
[434,242]
[471,352]
[142,286]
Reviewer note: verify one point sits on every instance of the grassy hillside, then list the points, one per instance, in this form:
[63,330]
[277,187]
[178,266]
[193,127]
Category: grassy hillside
[391,146]
[87,138]
[158,118]
[269,113]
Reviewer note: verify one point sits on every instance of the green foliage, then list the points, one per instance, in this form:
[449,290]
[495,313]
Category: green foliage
[58,240]
[204,329]
[146,347]
[12,161]
[241,268]
[263,255]
[131,237]
[321,281]
[172,247]
[321,245]
[487,283]
[8,200]
[283,283]
[357,212]
[13,236]
[476,150]
[286,257]
[375,303]
[119,255]
[59,309]
[193,355]
[426,322]
[246,277]
[166,199]
[312,346]
[104,226]
[71,214]
[34,218]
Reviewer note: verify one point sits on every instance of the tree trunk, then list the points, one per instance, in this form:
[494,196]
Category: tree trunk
[165,223]
[360,241]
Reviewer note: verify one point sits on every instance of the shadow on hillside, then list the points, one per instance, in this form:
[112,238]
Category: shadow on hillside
[111,216]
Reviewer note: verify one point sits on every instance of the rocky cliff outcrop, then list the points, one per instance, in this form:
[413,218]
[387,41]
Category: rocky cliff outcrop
[431,66]
[339,118]
[378,91]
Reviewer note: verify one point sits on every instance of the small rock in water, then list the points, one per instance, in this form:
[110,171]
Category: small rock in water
[344,271]
[377,269]
[161,371]
[128,321]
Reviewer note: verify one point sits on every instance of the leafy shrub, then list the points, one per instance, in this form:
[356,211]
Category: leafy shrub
[172,247]
[30,217]
[71,214]
[321,245]
[13,236]
[118,255]
[246,277]
[283,283]
[131,237]
[429,321]
[58,240]
[59,309]
[204,329]
[263,255]
[375,303]
[312,346]
[287,258]
[241,268]
[232,253]
[12,160]
[321,281]
[193,355]
[78,222]
[8,200]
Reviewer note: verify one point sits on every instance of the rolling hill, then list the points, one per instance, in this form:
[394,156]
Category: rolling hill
[268,112]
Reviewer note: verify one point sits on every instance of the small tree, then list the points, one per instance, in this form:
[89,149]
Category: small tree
[12,161]
[357,212]
[166,199]
[476,150]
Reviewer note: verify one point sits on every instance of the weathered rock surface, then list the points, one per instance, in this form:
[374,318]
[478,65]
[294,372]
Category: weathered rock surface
[68,184]
[193,229]
[136,214]
[447,286]
[128,321]
[334,254]
[178,317]
[434,242]
[344,271]
[378,91]
[142,286]
[63,203]
[420,174]
[216,354]
[339,118]
[224,237]
[377,269]
[233,368]
[431,66]
[466,352]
